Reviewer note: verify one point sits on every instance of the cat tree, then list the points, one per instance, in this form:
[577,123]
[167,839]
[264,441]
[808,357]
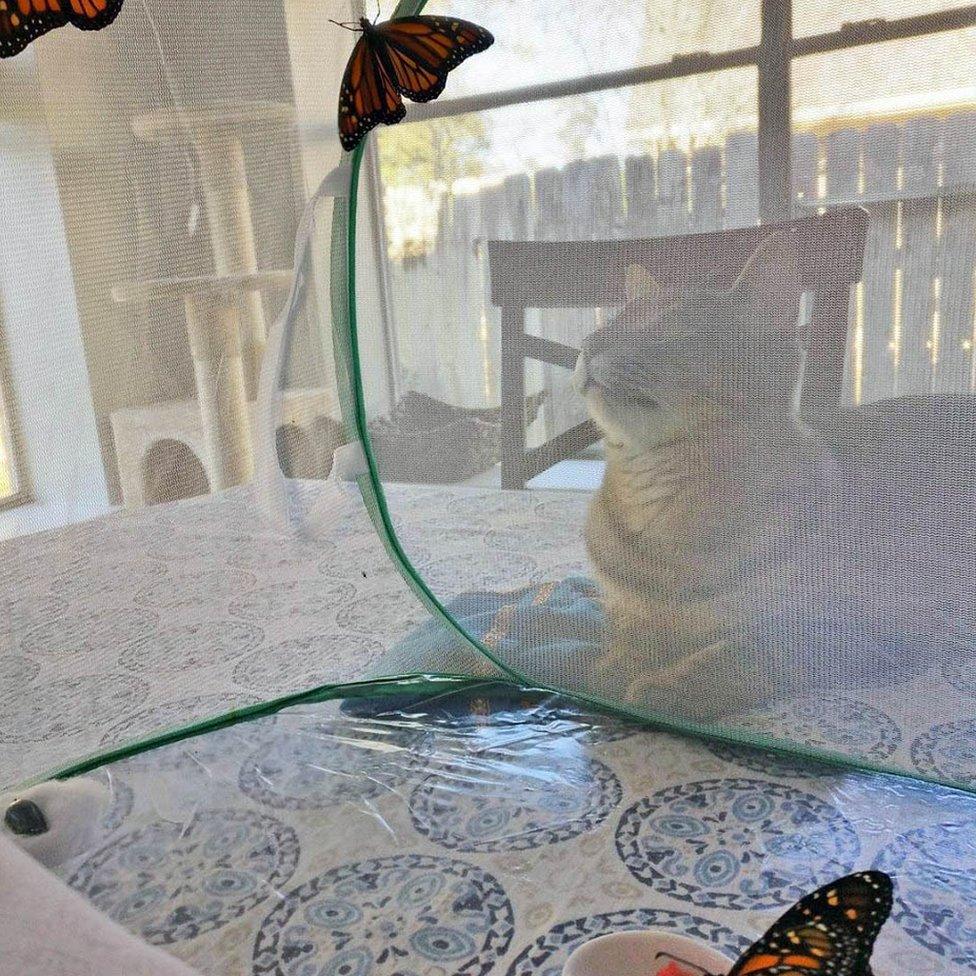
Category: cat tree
[224,314]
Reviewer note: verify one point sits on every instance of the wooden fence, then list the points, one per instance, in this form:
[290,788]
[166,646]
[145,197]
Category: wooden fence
[912,318]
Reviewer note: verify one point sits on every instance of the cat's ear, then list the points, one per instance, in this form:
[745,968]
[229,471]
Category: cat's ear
[771,280]
[640,283]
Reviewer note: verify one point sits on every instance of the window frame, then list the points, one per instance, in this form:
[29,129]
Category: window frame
[772,58]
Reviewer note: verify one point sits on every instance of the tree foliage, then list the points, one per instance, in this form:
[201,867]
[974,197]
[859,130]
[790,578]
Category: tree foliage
[434,154]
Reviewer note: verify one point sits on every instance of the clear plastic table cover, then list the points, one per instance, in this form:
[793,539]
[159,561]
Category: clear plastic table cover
[480,828]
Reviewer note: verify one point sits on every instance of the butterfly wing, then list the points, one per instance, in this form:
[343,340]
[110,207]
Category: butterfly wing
[21,21]
[421,50]
[90,14]
[828,933]
[367,96]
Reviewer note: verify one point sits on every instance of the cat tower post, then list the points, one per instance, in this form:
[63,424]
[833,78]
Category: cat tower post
[224,312]
[215,136]
[214,307]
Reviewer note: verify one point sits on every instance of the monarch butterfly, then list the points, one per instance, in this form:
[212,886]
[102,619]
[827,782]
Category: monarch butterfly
[23,20]
[409,56]
[830,932]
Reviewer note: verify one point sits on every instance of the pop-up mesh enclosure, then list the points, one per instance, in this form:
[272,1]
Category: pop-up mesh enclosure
[553,517]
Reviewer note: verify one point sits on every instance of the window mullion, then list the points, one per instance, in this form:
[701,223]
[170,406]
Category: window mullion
[775,170]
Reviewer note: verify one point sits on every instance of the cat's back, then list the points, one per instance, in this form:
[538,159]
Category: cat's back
[911,432]
[911,460]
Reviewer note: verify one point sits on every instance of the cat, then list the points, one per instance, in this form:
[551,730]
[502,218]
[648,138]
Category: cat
[747,554]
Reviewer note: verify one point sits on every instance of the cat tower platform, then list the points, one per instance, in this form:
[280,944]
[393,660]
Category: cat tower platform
[210,438]
[216,137]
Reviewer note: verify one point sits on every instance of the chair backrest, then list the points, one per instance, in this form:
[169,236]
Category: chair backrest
[592,274]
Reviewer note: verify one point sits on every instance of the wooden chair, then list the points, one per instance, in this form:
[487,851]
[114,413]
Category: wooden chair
[591,274]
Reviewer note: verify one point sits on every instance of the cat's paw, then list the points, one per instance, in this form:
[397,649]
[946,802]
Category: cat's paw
[681,701]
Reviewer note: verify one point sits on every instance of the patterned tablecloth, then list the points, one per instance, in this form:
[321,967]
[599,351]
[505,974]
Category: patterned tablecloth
[316,842]
[116,628]
[494,837]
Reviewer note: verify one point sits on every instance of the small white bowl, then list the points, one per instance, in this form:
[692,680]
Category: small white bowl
[643,953]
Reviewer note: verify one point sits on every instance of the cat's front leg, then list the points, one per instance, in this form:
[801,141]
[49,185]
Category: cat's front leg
[712,683]
[640,638]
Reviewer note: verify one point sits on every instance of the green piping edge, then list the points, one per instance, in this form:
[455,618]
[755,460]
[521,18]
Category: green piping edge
[434,685]
[353,404]
[372,688]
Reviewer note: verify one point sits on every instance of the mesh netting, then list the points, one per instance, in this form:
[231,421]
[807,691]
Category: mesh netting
[723,470]
[660,352]
[634,374]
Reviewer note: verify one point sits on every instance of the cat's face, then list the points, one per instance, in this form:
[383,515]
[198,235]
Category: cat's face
[671,364]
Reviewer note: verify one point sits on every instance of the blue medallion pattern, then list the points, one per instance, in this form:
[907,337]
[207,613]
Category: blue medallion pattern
[68,706]
[168,882]
[202,752]
[547,955]
[121,806]
[934,869]
[190,647]
[827,723]
[88,632]
[948,753]
[326,763]
[960,671]
[303,662]
[312,599]
[735,843]
[770,763]
[514,805]
[194,589]
[17,671]
[393,916]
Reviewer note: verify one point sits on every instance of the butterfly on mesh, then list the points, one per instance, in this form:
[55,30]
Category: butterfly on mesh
[830,932]
[409,56]
[23,20]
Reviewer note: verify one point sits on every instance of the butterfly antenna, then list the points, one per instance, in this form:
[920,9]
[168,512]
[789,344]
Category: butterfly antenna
[347,25]
[684,962]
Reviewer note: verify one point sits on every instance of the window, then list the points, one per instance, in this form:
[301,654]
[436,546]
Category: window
[736,112]
[585,93]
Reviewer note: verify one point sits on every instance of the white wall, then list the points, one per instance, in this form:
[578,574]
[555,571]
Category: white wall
[52,408]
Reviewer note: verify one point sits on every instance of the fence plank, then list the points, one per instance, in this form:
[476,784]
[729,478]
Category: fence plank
[640,183]
[881,163]
[424,352]
[741,179]
[806,166]
[672,192]
[594,201]
[957,316]
[914,278]
[706,189]
[549,205]
[920,166]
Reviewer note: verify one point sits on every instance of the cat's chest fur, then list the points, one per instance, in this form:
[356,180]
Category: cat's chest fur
[686,515]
